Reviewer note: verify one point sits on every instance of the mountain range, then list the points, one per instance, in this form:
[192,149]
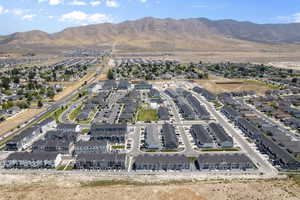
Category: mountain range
[162,34]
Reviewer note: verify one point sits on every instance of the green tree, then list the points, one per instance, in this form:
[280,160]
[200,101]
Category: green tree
[110,74]
[40,104]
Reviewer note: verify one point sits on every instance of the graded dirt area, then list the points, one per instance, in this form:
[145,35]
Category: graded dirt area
[218,85]
[76,187]
[18,119]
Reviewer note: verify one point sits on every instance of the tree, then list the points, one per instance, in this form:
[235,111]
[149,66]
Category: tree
[40,104]
[110,75]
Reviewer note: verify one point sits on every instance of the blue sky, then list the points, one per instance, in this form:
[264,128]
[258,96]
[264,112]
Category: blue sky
[55,15]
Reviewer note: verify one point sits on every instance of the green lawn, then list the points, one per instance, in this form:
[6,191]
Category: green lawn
[118,147]
[147,115]
[75,113]
[221,149]
[85,131]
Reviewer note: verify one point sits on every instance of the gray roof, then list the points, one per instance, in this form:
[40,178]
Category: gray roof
[109,129]
[163,113]
[66,126]
[91,143]
[220,158]
[32,156]
[200,134]
[169,135]
[161,159]
[219,132]
[152,135]
[101,157]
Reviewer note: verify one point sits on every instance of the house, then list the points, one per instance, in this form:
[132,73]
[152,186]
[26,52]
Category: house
[199,109]
[60,135]
[109,85]
[161,162]
[163,113]
[58,146]
[224,162]
[111,132]
[25,138]
[201,137]
[101,161]
[26,160]
[68,127]
[208,95]
[229,112]
[13,110]
[154,93]
[152,137]
[278,155]
[47,124]
[123,85]
[169,138]
[222,138]
[92,146]
[248,128]
[143,85]
[21,141]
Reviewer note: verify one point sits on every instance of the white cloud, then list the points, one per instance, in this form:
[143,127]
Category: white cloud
[84,18]
[95,3]
[143,1]
[78,3]
[52,2]
[98,18]
[112,3]
[295,18]
[3,10]
[75,16]
[55,2]
[50,17]
[28,17]
[18,11]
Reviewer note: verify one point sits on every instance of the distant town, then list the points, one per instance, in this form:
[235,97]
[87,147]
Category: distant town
[125,114]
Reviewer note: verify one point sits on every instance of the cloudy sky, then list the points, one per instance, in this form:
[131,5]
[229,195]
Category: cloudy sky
[55,15]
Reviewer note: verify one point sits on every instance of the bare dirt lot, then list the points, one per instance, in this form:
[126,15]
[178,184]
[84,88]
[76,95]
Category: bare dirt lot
[18,119]
[218,85]
[56,187]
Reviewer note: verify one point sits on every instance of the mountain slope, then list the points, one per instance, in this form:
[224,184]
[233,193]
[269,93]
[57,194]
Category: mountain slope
[163,34]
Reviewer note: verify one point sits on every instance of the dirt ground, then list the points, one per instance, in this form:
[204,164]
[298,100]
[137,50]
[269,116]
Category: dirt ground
[67,187]
[213,85]
[18,119]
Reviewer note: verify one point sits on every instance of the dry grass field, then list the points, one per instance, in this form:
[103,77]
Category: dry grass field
[67,187]
[218,85]
[17,120]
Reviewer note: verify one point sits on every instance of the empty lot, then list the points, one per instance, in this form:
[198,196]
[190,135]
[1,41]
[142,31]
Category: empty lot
[220,85]
[55,187]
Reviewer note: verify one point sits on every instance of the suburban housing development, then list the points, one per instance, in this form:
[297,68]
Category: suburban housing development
[132,122]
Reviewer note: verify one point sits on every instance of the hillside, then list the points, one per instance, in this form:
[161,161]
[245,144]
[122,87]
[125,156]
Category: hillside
[165,35]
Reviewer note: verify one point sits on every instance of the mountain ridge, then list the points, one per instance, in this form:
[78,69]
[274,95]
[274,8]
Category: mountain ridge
[163,34]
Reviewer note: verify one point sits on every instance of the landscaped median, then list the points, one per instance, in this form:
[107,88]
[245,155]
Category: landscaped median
[75,113]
